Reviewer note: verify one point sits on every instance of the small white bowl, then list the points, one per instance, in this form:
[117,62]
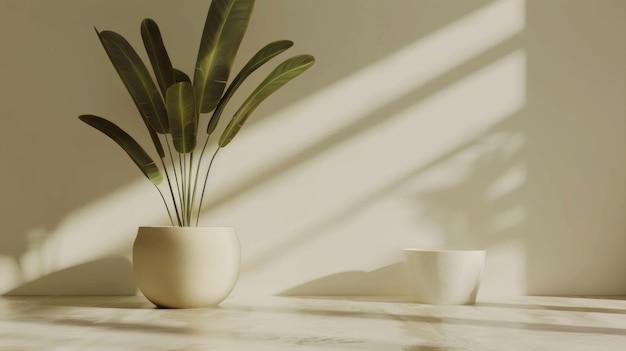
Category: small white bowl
[444,277]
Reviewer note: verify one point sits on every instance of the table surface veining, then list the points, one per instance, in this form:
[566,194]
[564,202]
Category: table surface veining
[332,323]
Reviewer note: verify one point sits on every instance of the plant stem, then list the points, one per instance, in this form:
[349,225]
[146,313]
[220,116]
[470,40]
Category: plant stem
[169,183]
[189,199]
[204,186]
[178,214]
[181,163]
[167,208]
[195,182]
[185,187]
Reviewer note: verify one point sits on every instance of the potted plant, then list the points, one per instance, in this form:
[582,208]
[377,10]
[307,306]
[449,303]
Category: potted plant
[184,265]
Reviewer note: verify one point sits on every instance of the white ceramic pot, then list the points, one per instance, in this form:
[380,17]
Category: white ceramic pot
[444,277]
[186,267]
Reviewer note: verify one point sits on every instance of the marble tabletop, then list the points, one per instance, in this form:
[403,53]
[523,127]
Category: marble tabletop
[313,323]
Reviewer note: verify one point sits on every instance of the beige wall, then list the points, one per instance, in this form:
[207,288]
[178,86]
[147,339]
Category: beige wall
[476,124]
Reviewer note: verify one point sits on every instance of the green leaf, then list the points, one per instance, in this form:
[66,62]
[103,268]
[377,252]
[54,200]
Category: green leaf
[268,52]
[280,76]
[159,59]
[137,79]
[181,109]
[180,76]
[155,140]
[225,26]
[132,148]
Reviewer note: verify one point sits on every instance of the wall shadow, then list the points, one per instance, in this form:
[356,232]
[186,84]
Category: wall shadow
[464,211]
